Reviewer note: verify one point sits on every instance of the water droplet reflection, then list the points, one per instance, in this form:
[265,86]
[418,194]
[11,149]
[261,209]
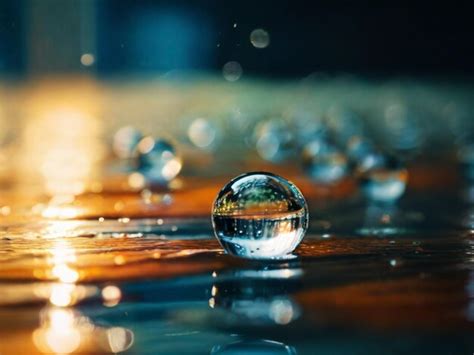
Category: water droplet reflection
[258,297]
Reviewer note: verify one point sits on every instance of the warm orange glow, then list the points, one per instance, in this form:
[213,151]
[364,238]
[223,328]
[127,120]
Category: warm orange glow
[65,274]
[58,334]
[61,295]
[111,295]
[62,142]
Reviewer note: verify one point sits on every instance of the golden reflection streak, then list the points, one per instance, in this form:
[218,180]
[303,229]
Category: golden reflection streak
[58,333]
[65,331]
[63,294]
[62,143]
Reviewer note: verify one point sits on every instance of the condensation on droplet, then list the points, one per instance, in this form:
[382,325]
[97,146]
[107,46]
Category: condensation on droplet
[259,38]
[260,216]
[232,71]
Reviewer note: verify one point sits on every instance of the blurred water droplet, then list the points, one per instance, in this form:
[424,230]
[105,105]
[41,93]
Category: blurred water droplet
[385,182]
[260,38]
[232,71]
[125,142]
[323,162]
[202,133]
[274,141]
[87,59]
[158,160]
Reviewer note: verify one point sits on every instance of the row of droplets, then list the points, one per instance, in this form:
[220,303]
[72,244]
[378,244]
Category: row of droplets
[328,152]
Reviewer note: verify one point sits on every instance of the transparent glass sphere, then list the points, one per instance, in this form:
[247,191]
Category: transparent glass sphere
[385,181]
[158,160]
[260,216]
[323,162]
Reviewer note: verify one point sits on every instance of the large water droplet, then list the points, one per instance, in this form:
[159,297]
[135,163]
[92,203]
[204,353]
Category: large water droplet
[260,216]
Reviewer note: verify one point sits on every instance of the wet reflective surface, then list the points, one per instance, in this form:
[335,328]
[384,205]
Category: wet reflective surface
[368,278]
[95,260]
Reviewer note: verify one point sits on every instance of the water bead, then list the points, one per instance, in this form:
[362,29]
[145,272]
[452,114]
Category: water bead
[259,38]
[260,216]
[202,134]
[158,160]
[232,71]
[125,142]
[273,140]
[323,162]
[385,182]
[358,148]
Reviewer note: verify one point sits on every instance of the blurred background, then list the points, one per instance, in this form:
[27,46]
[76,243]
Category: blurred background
[121,120]
[148,37]
[255,82]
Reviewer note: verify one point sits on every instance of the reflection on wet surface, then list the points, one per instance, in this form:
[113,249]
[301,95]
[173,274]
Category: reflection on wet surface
[364,273]
[93,260]
[161,293]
